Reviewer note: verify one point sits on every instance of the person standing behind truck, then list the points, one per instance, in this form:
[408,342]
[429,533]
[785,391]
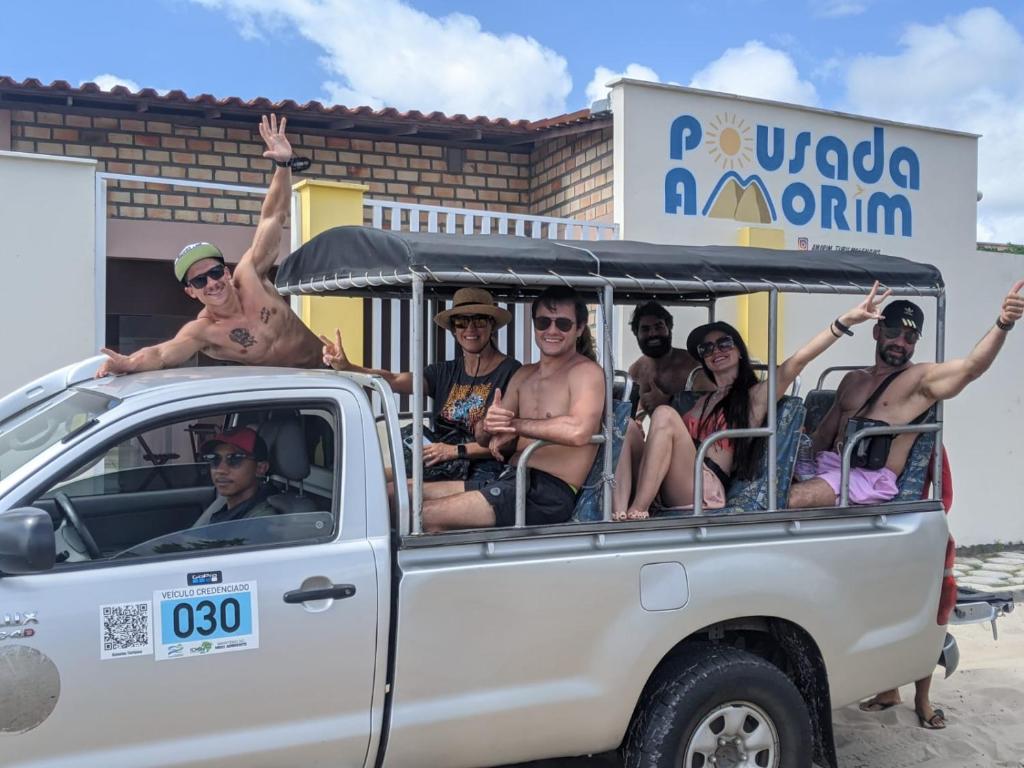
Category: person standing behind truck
[244,319]
[559,399]
[461,388]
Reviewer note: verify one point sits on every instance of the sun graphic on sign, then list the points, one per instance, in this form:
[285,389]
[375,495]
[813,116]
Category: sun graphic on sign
[729,140]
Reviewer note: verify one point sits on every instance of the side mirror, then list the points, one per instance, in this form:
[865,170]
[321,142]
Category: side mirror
[27,544]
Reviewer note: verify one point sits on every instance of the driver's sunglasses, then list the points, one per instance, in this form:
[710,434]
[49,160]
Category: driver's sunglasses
[723,344]
[909,335]
[564,324]
[233,460]
[216,273]
[464,321]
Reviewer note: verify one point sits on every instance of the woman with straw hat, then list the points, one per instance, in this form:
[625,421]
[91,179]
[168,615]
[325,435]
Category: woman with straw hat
[461,388]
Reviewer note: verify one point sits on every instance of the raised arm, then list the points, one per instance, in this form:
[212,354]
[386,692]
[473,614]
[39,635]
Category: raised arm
[265,244]
[586,397]
[942,381]
[868,309]
[169,354]
[335,357]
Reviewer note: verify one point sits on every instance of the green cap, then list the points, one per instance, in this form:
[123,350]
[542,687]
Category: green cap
[193,253]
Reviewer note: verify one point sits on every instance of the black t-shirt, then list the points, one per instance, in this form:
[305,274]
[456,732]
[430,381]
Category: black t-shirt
[460,399]
[247,507]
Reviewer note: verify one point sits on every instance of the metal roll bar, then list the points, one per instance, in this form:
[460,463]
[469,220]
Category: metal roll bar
[844,483]
[522,475]
[702,452]
[833,369]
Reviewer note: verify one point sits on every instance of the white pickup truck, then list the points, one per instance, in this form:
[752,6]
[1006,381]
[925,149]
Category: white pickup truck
[137,632]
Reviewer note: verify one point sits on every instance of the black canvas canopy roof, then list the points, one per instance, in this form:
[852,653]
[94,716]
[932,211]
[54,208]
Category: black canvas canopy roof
[367,261]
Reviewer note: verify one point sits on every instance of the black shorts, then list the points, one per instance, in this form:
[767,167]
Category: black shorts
[549,500]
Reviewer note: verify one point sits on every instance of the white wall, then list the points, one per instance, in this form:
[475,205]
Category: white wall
[47,253]
[982,444]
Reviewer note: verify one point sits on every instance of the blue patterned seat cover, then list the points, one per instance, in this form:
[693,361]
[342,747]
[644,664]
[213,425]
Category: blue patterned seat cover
[817,402]
[588,503]
[912,479]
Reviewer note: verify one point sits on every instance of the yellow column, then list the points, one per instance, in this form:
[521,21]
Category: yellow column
[323,205]
[752,310]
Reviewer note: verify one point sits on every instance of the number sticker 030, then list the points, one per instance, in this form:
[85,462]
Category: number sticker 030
[206,619]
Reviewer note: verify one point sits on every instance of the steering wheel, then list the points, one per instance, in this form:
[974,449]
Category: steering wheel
[71,515]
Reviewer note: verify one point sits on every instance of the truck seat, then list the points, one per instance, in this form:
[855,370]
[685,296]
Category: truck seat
[589,507]
[817,402]
[914,476]
[286,443]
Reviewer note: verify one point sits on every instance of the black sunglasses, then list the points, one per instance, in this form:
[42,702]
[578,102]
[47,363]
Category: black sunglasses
[233,460]
[723,344]
[564,324]
[909,334]
[464,321]
[216,273]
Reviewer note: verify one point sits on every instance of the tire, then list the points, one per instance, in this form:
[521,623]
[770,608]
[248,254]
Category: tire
[721,702]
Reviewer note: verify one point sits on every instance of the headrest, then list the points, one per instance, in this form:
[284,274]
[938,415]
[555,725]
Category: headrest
[287,445]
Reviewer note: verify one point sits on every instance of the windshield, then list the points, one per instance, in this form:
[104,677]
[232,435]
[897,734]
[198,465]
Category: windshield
[26,435]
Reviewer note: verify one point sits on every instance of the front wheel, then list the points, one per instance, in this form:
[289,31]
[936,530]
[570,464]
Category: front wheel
[719,707]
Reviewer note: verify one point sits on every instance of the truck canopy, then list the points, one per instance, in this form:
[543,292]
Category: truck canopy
[355,260]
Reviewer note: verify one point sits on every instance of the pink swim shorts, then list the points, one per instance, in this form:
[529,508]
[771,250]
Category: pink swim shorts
[867,486]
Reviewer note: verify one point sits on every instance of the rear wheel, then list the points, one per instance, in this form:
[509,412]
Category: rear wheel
[719,707]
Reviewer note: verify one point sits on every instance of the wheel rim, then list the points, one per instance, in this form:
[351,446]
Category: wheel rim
[737,734]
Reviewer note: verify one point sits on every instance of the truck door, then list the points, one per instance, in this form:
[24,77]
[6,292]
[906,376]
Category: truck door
[238,642]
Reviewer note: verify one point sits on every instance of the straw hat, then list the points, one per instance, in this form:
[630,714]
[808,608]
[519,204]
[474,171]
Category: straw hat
[474,301]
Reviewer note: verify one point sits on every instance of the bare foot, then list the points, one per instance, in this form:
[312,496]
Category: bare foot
[932,719]
[637,514]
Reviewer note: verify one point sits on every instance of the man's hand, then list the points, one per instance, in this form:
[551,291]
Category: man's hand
[653,397]
[869,309]
[498,419]
[499,444]
[1013,304]
[334,353]
[114,364]
[435,453]
[278,148]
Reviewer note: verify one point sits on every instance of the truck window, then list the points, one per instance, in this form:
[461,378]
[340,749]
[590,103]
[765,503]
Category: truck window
[204,482]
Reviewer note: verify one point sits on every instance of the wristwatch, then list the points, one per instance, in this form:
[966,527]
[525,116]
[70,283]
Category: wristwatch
[461,448]
[1004,326]
[297,164]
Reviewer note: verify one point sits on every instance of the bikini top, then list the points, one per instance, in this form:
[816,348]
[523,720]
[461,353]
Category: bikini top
[693,425]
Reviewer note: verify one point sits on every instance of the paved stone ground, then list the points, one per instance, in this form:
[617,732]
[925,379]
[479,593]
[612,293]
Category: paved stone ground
[998,572]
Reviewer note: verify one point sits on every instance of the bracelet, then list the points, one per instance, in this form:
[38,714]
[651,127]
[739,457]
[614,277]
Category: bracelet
[844,328]
[461,449]
[1004,326]
[835,334]
[297,164]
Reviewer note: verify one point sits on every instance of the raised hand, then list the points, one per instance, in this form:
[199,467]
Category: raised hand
[114,364]
[334,353]
[498,419]
[278,148]
[869,309]
[653,397]
[1013,304]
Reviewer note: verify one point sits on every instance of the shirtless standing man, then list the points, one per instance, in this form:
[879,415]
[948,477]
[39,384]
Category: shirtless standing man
[662,371]
[559,399]
[244,319]
[917,387]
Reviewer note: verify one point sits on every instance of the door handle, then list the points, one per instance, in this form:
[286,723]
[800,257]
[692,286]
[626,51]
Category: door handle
[337,592]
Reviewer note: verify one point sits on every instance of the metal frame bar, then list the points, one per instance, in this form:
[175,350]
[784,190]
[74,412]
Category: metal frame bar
[940,356]
[100,262]
[833,369]
[844,482]
[523,474]
[417,406]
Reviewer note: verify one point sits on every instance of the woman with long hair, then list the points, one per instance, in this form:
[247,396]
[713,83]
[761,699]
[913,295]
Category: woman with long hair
[738,401]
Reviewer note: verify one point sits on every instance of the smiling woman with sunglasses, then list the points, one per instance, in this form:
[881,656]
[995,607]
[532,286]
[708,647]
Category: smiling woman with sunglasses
[461,389]
[739,401]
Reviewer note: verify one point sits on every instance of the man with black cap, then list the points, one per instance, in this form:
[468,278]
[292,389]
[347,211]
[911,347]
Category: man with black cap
[896,392]
[663,370]
[244,319]
[238,462]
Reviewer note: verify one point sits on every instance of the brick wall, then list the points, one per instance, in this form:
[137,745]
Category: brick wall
[572,177]
[404,171]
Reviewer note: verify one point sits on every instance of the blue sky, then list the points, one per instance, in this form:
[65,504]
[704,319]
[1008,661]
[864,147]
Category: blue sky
[951,64]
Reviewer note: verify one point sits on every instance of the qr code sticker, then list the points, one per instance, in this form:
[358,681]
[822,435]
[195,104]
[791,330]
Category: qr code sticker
[126,629]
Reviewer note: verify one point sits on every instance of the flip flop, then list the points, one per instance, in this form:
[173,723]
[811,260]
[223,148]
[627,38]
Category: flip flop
[874,705]
[934,723]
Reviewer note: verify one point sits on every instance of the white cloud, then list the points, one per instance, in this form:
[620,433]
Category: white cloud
[964,74]
[107,82]
[759,71]
[836,9]
[596,87]
[384,52]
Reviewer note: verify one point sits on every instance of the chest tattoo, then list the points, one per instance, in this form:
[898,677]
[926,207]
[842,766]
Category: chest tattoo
[265,315]
[242,337]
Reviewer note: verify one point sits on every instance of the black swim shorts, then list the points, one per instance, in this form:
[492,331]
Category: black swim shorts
[549,500]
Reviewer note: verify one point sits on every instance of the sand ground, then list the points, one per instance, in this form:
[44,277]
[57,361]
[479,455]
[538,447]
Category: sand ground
[983,702]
